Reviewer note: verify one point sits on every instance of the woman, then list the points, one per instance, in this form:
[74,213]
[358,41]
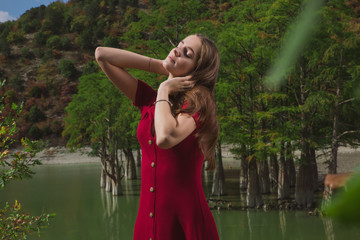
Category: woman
[178,128]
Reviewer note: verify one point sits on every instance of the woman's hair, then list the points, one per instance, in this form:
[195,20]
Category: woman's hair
[201,99]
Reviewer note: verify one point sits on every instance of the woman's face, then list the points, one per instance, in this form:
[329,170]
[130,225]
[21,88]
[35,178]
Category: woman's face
[182,59]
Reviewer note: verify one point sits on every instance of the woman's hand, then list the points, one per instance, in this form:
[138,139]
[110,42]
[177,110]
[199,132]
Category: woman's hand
[177,84]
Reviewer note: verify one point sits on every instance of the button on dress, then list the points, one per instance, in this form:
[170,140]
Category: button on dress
[172,201]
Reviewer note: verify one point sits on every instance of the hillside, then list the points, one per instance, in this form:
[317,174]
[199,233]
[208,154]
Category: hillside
[45,51]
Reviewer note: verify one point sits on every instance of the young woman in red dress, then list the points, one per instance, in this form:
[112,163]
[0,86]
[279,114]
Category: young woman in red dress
[177,131]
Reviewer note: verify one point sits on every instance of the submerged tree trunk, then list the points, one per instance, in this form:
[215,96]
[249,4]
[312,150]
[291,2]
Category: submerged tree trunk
[264,176]
[283,182]
[243,168]
[290,165]
[332,169]
[218,187]
[314,168]
[138,158]
[103,178]
[108,186]
[253,196]
[274,172]
[304,189]
[130,168]
[116,182]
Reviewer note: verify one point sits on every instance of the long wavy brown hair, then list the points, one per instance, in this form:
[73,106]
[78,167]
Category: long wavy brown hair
[201,99]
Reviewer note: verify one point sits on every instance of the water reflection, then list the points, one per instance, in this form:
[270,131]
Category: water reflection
[84,211]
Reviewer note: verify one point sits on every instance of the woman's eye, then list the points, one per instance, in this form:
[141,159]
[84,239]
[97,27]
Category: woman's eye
[186,53]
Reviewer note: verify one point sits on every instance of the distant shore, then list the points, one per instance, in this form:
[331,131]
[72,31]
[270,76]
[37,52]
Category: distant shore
[348,158]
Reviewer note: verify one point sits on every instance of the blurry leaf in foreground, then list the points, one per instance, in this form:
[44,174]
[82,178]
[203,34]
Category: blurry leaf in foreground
[345,204]
[299,36]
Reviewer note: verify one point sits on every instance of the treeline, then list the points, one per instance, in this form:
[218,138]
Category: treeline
[315,110]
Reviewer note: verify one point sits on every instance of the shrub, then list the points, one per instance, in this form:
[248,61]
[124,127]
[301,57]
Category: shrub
[36,115]
[65,43]
[54,42]
[26,53]
[41,38]
[111,41]
[90,67]
[35,133]
[67,69]
[35,92]
[16,36]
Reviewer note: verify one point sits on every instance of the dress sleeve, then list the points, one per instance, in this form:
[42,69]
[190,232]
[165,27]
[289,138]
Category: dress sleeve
[145,95]
[194,116]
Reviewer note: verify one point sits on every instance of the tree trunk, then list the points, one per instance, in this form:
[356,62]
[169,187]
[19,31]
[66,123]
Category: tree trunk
[314,168]
[138,158]
[264,176]
[103,178]
[290,165]
[218,187]
[243,168]
[116,183]
[130,168]
[108,186]
[274,172]
[253,197]
[283,182]
[304,188]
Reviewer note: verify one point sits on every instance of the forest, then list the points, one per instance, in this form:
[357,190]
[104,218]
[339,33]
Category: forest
[277,133]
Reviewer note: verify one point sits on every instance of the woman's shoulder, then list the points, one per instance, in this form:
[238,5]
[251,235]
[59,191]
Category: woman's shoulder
[145,94]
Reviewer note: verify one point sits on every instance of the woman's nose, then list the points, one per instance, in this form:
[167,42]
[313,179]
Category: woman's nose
[176,52]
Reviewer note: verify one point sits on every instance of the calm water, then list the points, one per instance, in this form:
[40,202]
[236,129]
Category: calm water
[84,211]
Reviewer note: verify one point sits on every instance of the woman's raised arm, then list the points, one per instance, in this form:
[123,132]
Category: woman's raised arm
[114,62]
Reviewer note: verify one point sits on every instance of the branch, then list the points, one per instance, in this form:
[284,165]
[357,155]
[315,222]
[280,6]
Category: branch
[347,132]
[346,101]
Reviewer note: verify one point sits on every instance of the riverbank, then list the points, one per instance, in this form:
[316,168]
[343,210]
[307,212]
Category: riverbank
[348,158]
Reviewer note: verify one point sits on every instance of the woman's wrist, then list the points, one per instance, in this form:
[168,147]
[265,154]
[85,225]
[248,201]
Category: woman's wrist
[163,91]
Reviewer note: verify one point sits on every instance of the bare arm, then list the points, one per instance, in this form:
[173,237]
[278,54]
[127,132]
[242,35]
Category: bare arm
[169,130]
[114,61]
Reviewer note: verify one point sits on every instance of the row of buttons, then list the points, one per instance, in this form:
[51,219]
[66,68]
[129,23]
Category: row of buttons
[152,189]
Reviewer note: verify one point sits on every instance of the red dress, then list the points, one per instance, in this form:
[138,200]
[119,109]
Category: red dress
[172,201]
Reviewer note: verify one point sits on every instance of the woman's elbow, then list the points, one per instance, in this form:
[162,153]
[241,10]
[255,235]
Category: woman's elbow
[99,54]
[162,142]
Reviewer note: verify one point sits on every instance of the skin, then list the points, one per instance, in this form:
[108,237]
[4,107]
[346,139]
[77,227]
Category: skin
[169,130]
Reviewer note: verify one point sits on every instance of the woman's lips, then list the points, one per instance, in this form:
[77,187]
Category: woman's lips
[171,58]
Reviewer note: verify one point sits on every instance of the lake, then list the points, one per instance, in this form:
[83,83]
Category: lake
[84,211]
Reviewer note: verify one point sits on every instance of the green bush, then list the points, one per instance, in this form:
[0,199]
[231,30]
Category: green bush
[54,42]
[41,38]
[26,53]
[35,133]
[67,69]
[90,67]
[36,92]
[65,43]
[4,47]
[36,115]
[110,41]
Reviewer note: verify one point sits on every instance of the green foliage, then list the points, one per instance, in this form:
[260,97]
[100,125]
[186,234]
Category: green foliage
[58,43]
[91,67]
[54,42]
[4,47]
[41,38]
[35,114]
[16,83]
[26,53]
[97,108]
[15,224]
[111,41]
[67,69]
[16,36]
[35,92]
